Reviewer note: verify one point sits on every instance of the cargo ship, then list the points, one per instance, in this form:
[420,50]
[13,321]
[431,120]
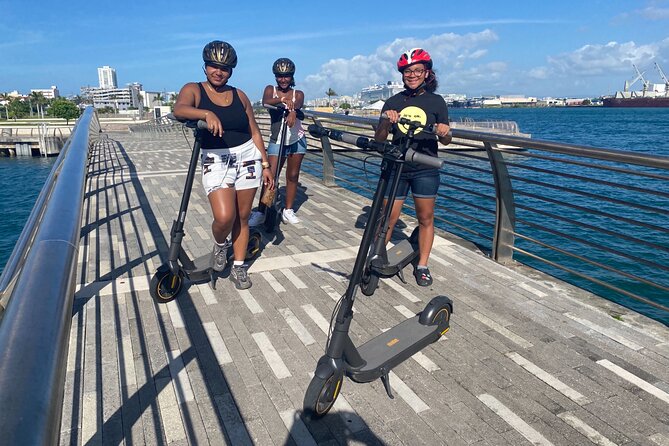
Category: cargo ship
[651,95]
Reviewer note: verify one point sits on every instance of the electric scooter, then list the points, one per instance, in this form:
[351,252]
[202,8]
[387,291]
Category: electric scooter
[168,279]
[273,211]
[378,356]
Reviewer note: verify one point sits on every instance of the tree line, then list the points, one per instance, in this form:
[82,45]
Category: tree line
[35,105]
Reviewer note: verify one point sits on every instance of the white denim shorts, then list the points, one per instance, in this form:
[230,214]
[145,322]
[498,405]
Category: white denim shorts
[232,168]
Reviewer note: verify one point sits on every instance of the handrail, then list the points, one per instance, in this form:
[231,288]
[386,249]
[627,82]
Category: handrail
[39,279]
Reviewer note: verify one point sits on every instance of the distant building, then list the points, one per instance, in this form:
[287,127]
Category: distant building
[107,77]
[551,102]
[116,98]
[491,102]
[381,92]
[49,93]
[455,100]
[517,101]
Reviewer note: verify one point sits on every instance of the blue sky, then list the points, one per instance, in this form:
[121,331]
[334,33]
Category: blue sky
[539,48]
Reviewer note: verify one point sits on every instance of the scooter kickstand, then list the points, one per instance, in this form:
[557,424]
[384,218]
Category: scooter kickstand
[212,280]
[385,379]
[400,274]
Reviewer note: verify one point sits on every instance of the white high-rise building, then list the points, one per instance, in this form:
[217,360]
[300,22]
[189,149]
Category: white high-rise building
[107,77]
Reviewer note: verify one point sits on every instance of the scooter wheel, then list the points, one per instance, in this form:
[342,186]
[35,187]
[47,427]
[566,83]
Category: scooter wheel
[322,394]
[165,286]
[253,247]
[413,238]
[271,219]
[369,283]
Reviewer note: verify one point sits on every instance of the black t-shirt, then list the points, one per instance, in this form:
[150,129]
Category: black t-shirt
[428,109]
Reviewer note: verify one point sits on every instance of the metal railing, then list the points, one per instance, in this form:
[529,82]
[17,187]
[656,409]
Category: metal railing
[36,296]
[591,216]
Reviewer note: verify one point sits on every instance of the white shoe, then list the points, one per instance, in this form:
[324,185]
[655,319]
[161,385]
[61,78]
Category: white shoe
[288,216]
[256,218]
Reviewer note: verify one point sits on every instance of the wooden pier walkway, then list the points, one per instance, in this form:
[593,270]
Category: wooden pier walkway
[528,359]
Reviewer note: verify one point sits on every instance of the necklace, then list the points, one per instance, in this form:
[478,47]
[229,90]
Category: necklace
[222,101]
[214,90]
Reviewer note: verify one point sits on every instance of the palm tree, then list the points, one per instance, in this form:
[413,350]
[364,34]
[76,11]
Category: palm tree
[159,99]
[329,93]
[4,97]
[39,100]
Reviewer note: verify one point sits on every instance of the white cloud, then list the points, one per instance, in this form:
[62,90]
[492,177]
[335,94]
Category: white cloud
[654,13]
[449,51]
[597,59]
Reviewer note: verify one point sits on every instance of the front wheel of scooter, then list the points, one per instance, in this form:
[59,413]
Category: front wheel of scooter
[369,283]
[165,285]
[322,394]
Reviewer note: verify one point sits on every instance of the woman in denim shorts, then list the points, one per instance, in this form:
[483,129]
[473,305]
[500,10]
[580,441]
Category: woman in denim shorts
[295,145]
[417,102]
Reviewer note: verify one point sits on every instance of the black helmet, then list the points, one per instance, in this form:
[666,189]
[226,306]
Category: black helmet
[283,66]
[219,53]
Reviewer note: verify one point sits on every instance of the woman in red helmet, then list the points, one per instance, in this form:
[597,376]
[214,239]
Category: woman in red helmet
[295,145]
[234,160]
[417,102]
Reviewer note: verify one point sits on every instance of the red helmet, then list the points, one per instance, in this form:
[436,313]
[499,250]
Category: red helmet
[413,56]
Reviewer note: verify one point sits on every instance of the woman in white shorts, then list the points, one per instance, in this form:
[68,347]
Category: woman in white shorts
[234,160]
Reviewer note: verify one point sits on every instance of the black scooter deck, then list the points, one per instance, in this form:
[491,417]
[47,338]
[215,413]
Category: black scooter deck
[399,256]
[393,347]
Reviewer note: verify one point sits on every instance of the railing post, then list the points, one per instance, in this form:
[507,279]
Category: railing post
[505,209]
[328,159]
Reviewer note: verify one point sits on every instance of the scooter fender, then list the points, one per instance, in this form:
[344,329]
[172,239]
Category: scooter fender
[327,367]
[437,312]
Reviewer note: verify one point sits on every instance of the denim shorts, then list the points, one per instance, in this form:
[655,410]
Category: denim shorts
[422,183]
[297,148]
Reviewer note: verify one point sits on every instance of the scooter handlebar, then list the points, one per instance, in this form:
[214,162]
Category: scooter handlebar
[190,123]
[414,124]
[282,107]
[422,158]
[367,144]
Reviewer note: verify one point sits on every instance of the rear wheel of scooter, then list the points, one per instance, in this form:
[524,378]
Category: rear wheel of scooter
[253,247]
[271,219]
[437,312]
[322,394]
[165,285]
[413,238]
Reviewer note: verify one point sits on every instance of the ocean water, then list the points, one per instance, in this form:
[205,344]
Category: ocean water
[638,130]
[21,179]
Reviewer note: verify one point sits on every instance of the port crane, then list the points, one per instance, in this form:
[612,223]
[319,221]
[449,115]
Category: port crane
[664,78]
[639,75]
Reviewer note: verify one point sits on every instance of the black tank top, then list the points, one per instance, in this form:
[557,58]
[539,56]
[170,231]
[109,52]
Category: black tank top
[233,118]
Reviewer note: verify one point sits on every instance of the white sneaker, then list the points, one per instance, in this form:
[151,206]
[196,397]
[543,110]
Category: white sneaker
[256,218]
[288,216]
